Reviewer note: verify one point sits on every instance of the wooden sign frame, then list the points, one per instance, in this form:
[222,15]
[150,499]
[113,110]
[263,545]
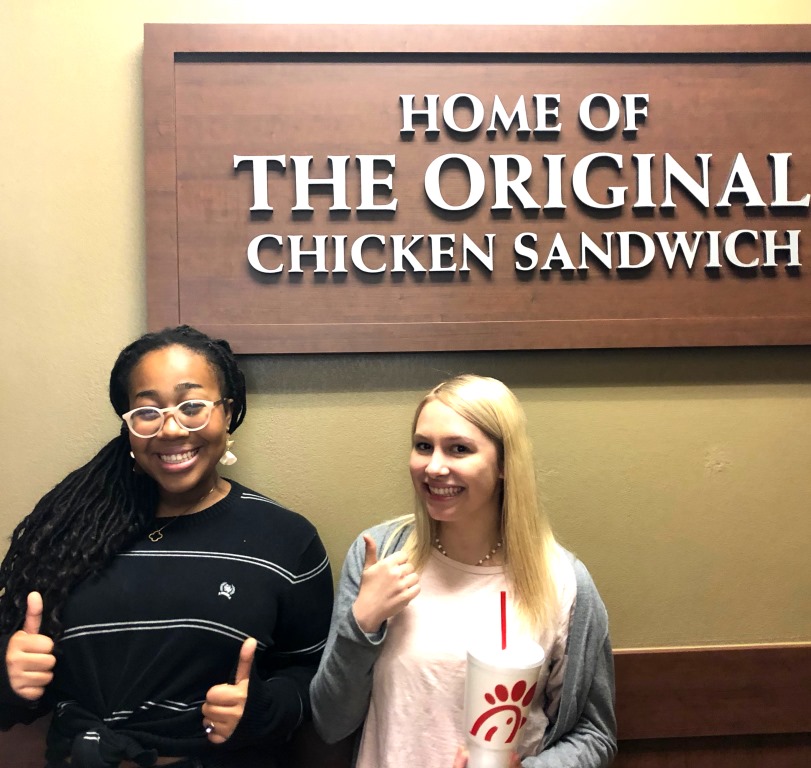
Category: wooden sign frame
[721,91]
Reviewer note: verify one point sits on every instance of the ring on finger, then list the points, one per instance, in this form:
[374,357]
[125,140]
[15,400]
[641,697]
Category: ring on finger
[209,728]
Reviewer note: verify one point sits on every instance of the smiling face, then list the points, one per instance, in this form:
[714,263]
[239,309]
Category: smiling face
[455,468]
[182,463]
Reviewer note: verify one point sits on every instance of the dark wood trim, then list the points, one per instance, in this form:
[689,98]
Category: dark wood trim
[547,334]
[415,38]
[773,751]
[732,707]
[24,745]
[702,692]
[163,304]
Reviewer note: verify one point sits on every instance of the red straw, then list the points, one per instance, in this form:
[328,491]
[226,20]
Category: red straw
[503,620]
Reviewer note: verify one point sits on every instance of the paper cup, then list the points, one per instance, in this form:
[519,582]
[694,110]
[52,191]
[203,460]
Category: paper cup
[499,687]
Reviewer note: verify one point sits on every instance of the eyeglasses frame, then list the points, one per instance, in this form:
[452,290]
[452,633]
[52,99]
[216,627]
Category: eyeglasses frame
[171,410]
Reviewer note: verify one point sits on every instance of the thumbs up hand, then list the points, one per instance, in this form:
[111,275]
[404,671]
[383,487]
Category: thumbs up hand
[29,655]
[386,587]
[225,704]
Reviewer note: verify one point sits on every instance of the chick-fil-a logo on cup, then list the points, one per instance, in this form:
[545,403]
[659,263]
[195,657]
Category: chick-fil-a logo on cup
[499,687]
[504,703]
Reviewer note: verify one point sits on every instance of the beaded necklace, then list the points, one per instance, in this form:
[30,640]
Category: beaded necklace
[438,545]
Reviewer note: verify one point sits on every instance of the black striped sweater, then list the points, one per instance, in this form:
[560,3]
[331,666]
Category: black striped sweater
[165,621]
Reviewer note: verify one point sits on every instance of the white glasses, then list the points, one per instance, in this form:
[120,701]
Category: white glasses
[192,415]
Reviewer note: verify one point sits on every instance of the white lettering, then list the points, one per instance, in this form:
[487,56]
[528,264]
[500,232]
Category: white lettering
[554,172]
[505,185]
[714,243]
[546,108]
[319,253]
[475,178]
[449,112]
[369,184]
[525,252]
[792,247]
[438,252]
[519,113]
[357,253]
[259,169]
[337,181]
[430,112]
[699,191]
[404,252]
[340,254]
[648,249]
[780,162]
[679,246]
[635,104]
[589,248]
[253,254]
[580,184]
[469,248]
[730,248]
[644,188]
[613,112]
[741,182]
[558,253]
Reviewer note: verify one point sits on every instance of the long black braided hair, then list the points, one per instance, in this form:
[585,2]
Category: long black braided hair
[97,510]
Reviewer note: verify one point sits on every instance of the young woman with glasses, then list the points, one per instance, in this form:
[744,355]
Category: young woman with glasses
[417,592]
[167,615]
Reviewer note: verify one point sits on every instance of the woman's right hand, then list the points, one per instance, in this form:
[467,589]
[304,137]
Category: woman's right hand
[386,587]
[29,655]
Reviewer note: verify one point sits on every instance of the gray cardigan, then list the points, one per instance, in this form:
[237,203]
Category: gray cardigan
[583,735]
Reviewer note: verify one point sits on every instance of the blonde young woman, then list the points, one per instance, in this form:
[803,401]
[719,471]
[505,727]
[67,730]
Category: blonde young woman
[415,592]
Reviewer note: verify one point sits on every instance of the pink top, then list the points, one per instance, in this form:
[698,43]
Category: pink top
[416,709]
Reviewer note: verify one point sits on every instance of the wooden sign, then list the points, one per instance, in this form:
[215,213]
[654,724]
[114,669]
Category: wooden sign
[372,189]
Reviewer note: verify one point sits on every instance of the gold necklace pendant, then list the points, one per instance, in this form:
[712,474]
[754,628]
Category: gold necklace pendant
[157,534]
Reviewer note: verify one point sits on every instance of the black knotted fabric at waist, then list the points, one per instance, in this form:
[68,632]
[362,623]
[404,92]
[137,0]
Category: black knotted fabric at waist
[92,743]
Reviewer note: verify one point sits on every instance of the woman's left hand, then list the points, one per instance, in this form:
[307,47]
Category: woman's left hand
[225,704]
[460,761]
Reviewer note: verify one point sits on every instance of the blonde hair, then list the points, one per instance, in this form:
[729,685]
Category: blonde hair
[529,545]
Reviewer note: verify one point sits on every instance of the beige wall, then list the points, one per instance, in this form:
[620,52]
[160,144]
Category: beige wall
[682,477]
